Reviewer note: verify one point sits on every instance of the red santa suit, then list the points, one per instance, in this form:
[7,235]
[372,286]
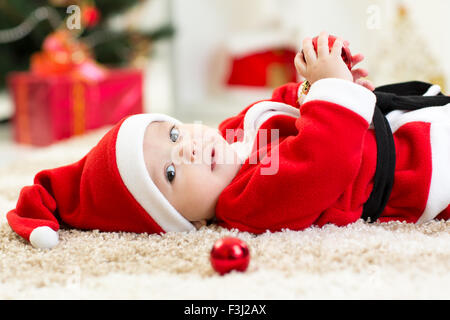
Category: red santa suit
[313,163]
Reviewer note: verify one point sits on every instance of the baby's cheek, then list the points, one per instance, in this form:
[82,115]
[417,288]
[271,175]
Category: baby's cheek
[209,186]
[196,180]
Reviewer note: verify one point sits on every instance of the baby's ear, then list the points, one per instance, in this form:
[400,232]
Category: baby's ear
[199,224]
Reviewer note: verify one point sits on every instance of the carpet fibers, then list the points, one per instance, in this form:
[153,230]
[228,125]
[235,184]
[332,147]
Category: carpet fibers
[360,261]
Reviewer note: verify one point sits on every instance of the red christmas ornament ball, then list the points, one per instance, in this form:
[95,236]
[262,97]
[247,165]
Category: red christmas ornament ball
[229,254]
[346,54]
[91,16]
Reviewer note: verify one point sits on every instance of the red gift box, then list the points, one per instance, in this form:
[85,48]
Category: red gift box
[49,108]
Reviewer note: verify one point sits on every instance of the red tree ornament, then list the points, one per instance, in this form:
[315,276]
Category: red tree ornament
[229,254]
[91,16]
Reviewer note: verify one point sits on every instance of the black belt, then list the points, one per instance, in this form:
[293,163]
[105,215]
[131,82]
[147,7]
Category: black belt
[384,172]
[385,167]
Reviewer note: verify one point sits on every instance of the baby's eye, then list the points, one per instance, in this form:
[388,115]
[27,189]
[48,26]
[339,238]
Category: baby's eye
[170,173]
[174,134]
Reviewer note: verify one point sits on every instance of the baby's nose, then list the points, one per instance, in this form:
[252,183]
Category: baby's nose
[188,151]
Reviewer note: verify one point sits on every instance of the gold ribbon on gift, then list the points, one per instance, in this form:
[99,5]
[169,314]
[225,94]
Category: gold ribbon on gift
[78,108]
[22,121]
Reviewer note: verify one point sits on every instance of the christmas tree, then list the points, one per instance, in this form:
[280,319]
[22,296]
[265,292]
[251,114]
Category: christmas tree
[403,55]
[24,25]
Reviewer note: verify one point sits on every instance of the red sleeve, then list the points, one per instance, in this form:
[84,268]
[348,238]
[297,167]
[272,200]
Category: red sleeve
[287,93]
[314,167]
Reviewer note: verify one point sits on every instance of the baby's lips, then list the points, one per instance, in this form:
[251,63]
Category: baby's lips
[346,54]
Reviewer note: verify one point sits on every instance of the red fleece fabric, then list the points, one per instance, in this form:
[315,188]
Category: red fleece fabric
[327,160]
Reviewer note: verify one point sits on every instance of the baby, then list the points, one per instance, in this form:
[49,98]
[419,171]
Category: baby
[302,158]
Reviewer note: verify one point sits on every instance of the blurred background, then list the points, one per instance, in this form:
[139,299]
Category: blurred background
[69,66]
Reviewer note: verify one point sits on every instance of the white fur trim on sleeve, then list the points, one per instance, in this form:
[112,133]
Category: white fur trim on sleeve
[345,93]
[134,174]
[43,237]
[254,118]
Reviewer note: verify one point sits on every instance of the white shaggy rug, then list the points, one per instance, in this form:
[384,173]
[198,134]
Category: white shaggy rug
[360,261]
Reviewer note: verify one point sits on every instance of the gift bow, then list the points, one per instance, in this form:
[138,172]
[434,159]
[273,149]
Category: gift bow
[63,54]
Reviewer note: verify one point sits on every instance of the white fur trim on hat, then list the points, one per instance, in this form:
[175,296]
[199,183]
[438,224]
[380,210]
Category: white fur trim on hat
[134,174]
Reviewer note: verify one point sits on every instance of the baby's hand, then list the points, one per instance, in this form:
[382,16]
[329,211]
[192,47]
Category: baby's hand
[359,73]
[324,64]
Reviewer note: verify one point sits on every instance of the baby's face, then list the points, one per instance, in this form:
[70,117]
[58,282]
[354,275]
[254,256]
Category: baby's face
[190,164]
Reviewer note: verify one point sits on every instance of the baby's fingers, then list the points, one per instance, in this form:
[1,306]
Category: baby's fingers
[359,73]
[308,51]
[300,63]
[337,47]
[322,45]
[366,84]
[357,58]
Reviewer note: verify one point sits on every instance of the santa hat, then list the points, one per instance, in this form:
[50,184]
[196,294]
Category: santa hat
[109,189]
